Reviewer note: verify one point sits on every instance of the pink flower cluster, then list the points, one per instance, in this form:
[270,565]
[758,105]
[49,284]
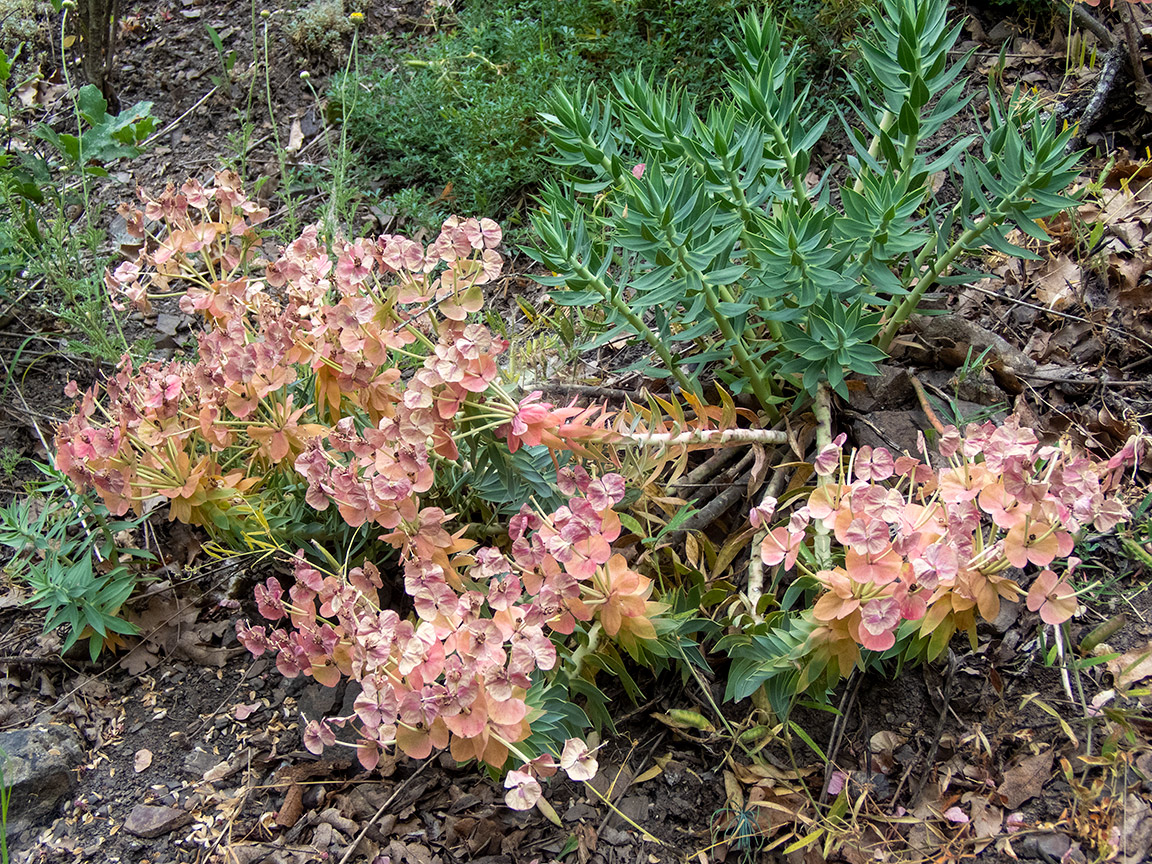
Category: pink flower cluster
[457,677]
[935,546]
[359,371]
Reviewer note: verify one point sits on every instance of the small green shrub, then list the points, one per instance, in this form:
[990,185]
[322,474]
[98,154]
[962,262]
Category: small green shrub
[64,548]
[321,27]
[461,106]
[702,225]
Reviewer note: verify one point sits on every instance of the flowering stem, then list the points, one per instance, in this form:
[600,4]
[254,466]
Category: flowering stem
[584,651]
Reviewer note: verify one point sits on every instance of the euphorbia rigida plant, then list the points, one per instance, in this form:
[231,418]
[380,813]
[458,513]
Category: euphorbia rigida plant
[923,552]
[701,230]
[348,377]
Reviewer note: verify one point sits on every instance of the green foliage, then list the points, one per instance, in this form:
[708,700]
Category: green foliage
[107,137]
[39,242]
[826,29]
[702,228]
[5,798]
[459,108]
[65,549]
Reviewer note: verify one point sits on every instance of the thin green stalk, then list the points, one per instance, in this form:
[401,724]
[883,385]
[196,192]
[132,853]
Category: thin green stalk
[5,797]
[79,120]
[289,204]
[740,352]
[912,300]
[642,329]
[886,121]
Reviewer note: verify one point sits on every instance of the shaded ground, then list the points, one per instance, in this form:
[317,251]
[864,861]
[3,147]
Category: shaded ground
[189,722]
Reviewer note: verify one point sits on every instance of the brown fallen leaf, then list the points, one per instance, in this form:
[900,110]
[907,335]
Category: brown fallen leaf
[1135,665]
[1058,282]
[986,816]
[1025,779]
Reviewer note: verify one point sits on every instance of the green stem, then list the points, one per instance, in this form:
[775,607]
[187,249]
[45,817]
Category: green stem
[584,651]
[763,394]
[912,300]
[748,219]
[642,329]
[886,121]
[739,350]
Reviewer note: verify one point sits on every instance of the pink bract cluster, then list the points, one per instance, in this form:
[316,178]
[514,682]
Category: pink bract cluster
[353,367]
[936,545]
[458,676]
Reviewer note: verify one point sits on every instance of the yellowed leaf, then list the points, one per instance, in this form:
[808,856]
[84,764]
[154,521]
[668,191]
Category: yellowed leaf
[1134,666]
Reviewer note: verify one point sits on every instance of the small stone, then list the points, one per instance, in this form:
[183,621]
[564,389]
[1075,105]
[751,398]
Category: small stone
[1053,845]
[1009,612]
[615,837]
[1001,33]
[579,810]
[199,761]
[169,324]
[149,821]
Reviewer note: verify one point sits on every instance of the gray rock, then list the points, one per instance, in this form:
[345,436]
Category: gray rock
[895,430]
[1002,32]
[952,336]
[1009,612]
[38,763]
[148,820]
[199,761]
[578,810]
[892,388]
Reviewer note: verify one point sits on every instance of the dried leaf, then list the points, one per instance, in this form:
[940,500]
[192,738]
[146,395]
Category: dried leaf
[1136,665]
[295,138]
[1025,779]
[986,816]
[1058,283]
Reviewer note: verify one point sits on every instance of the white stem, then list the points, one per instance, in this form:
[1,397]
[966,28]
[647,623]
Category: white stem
[823,411]
[713,437]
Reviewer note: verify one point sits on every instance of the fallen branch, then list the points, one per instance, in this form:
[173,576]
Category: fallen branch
[922,398]
[716,508]
[706,470]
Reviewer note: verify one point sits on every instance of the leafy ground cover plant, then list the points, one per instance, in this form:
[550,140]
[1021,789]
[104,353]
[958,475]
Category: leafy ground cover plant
[64,546]
[926,551]
[40,245]
[705,232]
[356,390]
